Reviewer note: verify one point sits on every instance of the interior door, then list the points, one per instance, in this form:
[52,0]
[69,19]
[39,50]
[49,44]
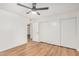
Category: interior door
[68,33]
[35,32]
[50,32]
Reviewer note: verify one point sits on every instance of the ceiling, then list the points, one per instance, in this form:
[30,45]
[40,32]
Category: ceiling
[54,8]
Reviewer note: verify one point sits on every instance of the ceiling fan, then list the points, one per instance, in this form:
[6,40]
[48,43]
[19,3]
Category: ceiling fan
[33,9]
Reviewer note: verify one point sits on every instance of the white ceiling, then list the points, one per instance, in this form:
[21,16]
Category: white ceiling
[54,8]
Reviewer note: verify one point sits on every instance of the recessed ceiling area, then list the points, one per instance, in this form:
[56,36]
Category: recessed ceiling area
[54,8]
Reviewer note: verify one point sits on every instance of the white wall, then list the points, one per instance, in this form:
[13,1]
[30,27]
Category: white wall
[12,30]
[77,32]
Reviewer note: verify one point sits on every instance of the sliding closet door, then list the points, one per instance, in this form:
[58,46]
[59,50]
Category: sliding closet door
[49,32]
[44,31]
[68,33]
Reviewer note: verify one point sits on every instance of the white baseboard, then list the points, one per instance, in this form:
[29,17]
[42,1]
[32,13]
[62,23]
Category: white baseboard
[77,49]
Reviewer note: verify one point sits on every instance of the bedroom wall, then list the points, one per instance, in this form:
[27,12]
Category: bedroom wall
[13,30]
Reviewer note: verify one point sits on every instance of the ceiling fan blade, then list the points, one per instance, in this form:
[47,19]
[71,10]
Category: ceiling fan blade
[23,6]
[38,13]
[28,12]
[45,8]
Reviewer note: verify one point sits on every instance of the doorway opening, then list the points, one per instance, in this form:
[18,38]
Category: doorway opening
[28,33]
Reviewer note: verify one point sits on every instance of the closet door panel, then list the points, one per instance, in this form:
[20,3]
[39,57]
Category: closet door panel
[68,33]
[44,32]
[49,32]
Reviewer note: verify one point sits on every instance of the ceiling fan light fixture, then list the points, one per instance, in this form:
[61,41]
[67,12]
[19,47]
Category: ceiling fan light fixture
[33,12]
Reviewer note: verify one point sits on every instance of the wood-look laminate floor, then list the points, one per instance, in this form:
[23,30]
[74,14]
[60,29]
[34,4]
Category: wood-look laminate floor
[39,49]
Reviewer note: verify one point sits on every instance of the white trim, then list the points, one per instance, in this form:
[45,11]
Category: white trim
[77,49]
